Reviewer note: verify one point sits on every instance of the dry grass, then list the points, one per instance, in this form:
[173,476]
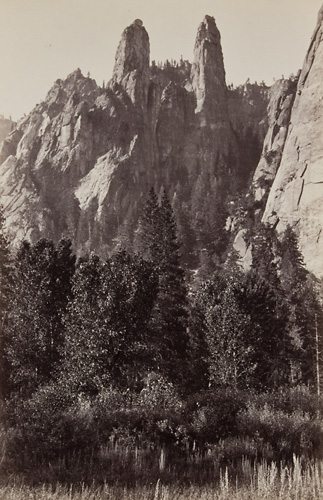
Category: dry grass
[263,481]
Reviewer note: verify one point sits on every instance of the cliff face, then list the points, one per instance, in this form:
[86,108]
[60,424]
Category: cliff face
[44,156]
[82,162]
[296,197]
[282,95]
[6,126]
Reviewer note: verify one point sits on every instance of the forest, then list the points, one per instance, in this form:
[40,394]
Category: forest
[132,370]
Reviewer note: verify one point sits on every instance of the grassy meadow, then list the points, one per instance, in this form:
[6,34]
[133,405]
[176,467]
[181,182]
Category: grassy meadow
[263,480]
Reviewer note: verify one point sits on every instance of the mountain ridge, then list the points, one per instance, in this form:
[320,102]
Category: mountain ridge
[82,162]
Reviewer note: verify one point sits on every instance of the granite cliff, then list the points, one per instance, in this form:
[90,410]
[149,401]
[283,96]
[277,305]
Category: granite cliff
[84,159]
[296,195]
[82,162]
[282,95]
[6,126]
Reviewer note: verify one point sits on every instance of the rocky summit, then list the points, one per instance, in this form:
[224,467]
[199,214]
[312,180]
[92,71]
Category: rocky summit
[82,162]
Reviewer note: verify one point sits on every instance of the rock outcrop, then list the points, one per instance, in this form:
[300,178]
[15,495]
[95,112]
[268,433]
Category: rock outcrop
[83,160]
[131,69]
[208,77]
[296,197]
[6,126]
[282,95]
[44,155]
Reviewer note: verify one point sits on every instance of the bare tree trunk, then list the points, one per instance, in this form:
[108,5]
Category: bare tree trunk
[317,353]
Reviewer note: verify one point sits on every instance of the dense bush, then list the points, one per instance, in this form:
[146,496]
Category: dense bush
[212,415]
[285,421]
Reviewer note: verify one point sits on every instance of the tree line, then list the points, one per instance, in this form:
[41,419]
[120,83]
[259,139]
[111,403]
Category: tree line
[79,332]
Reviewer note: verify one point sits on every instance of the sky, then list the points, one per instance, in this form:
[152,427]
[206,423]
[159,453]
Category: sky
[43,40]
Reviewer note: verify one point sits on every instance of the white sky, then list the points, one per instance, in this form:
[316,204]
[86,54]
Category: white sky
[42,40]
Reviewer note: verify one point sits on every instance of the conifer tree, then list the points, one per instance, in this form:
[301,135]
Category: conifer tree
[264,298]
[5,289]
[148,234]
[186,233]
[264,261]
[159,244]
[171,306]
[292,268]
[267,331]
[302,305]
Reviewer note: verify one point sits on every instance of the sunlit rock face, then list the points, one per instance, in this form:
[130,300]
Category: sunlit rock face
[82,162]
[208,74]
[282,95]
[209,86]
[296,197]
[6,126]
[131,69]
[44,155]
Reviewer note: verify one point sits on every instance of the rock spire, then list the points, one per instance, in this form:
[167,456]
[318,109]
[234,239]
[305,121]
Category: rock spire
[131,68]
[208,75]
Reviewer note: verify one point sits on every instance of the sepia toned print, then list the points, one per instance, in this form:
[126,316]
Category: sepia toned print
[160,257]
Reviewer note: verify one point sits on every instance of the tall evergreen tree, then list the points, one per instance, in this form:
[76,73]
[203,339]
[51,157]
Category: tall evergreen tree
[302,305]
[171,305]
[5,288]
[292,268]
[267,332]
[159,244]
[148,235]
[264,261]
[186,233]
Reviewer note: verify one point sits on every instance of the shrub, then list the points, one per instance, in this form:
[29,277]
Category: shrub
[51,423]
[154,414]
[213,415]
[286,421]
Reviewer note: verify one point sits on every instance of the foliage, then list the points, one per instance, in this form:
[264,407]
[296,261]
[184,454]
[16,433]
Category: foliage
[212,415]
[118,367]
[159,244]
[106,324]
[225,330]
[304,312]
[33,331]
[236,334]
[258,301]
[6,270]
[286,424]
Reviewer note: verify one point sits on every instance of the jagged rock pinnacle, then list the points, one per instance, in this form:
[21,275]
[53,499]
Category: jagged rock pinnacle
[208,75]
[131,69]
[208,31]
